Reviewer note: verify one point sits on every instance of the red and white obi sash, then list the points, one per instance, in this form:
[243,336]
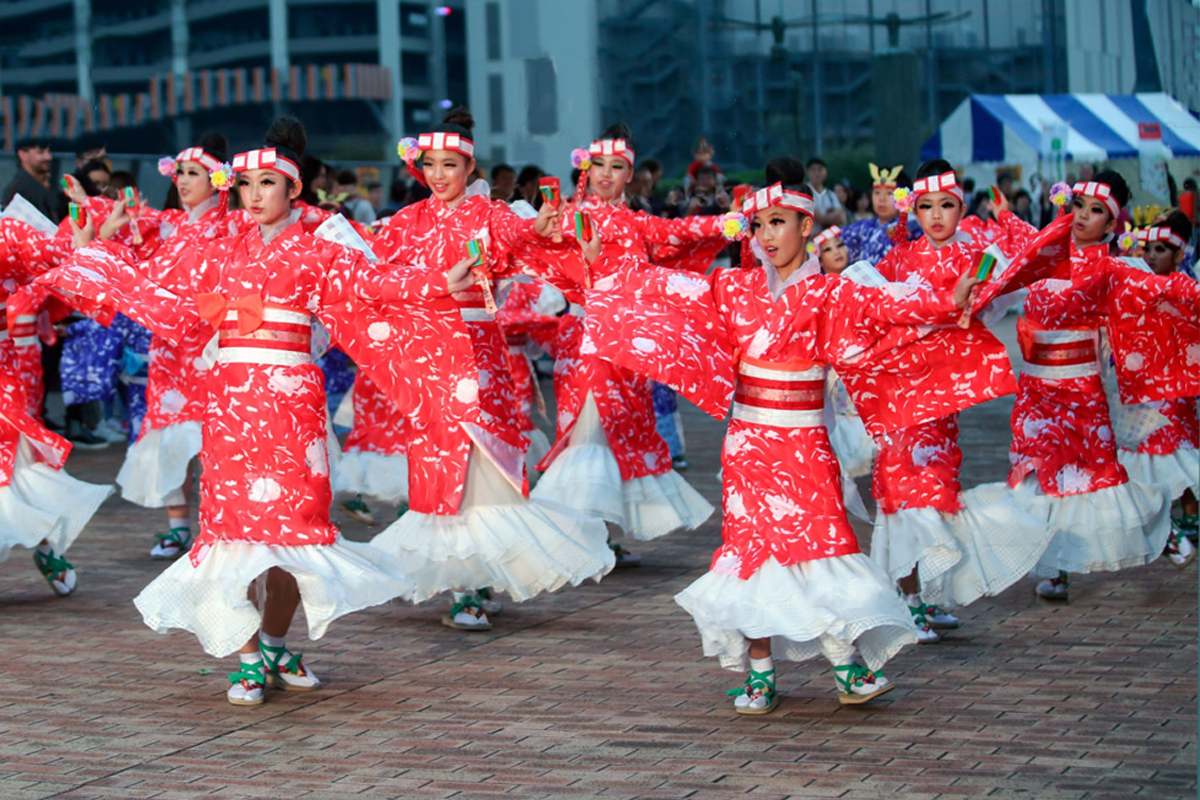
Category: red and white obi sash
[781,395]
[1058,354]
[475,310]
[24,330]
[284,339]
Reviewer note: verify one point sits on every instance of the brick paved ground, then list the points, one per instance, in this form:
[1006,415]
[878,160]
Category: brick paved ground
[600,691]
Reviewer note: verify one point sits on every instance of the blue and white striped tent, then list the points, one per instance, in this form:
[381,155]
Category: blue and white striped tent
[1016,128]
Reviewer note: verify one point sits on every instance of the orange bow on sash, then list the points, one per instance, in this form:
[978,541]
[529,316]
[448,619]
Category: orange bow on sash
[1025,335]
[215,306]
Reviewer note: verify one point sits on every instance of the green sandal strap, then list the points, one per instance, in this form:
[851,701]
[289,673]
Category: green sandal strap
[50,564]
[273,655]
[764,681]
[469,603]
[251,673]
[854,672]
[176,535]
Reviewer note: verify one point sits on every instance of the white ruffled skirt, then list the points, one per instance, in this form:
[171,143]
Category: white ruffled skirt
[44,503]
[156,465]
[989,545]
[853,446]
[585,477]
[212,601]
[1178,471]
[829,607]
[374,474]
[498,539]
[1101,531]
[539,448]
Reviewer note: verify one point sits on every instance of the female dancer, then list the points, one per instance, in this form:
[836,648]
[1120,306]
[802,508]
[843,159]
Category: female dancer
[789,579]
[1169,455]
[470,521]
[158,466]
[41,506]
[265,491]
[944,546]
[608,460]
[1065,463]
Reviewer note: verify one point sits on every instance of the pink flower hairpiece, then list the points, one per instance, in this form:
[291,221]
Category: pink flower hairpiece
[581,158]
[903,199]
[408,150]
[166,166]
[1060,194]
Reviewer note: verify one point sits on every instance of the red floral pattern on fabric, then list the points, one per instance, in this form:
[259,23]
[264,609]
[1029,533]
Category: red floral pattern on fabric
[1061,428]
[1181,432]
[623,399]
[782,488]
[379,427]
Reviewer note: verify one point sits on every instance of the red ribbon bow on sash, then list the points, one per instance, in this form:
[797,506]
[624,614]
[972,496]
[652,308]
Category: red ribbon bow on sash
[215,306]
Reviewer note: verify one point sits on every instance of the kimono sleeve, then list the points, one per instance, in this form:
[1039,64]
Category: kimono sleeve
[903,376]
[665,325]
[27,253]
[417,350]
[1155,336]
[1047,254]
[688,243]
[106,277]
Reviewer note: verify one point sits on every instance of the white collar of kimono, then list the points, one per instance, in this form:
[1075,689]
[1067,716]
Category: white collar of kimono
[270,233]
[200,209]
[960,237]
[777,285]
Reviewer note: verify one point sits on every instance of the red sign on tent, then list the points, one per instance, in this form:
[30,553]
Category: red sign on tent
[1150,131]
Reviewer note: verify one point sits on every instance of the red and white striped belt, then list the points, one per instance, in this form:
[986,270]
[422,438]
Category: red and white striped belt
[284,339]
[24,330]
[1062,354]
[780,395]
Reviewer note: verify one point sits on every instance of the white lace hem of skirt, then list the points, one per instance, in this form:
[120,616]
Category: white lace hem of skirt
[384,477]
[800,607]
[989,545]
[1178,471]
[1102,531]
[211,600]
[44,503]
[156,465]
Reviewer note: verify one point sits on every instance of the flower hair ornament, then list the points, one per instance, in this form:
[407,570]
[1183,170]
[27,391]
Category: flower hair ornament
[1060,195]
[903,199]
[221,178]
[166,167]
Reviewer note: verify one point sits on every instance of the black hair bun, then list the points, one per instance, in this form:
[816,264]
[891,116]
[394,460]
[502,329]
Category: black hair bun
[620,131]
[215,144]
[289,133]
[460,116]
[934,166]
[789,171]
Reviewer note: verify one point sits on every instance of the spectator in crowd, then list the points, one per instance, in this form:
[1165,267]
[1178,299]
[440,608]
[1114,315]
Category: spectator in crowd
[841,190]
[828,209]
[504,182]
[397,198]
[96,179]
[375,196]
[1024,206]
[1087,172]
[704,198]
[702,156]
[527,185]
[639,193]
[32,180]
[655,167]
[357,207]
[862,206]
[1004,182]
[314,178]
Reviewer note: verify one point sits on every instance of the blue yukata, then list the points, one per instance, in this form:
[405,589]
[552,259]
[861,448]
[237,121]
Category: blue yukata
[868,240]
[667,419]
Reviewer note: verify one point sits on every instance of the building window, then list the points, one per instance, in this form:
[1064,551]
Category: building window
[496,103]
[541,86]
[493,31]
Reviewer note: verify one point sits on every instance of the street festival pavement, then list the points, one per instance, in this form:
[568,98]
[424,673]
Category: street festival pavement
[597,691]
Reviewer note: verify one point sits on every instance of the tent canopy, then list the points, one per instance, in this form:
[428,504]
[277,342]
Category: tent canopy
[1017,128]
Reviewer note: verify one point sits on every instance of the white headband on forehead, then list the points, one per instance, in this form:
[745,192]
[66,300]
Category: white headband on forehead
[1100,191]
[946,182]
[825,235]
[266,158]
[198,155]
[778,197]
[446,141]
[1161,233]
[612,147]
